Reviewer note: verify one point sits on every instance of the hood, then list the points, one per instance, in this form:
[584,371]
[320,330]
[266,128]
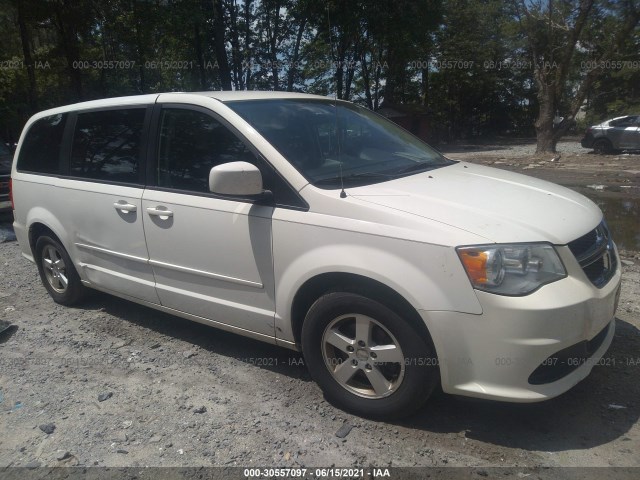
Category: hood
[498,205]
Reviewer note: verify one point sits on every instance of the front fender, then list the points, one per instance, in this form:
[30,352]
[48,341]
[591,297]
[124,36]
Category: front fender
[429,277]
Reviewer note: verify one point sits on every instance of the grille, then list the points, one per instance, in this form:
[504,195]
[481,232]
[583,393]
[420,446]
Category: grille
[595,254]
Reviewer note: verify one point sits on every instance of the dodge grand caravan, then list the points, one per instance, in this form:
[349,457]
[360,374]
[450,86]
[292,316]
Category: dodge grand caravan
[318,225]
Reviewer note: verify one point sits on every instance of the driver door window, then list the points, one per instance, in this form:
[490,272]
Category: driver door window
[191,143]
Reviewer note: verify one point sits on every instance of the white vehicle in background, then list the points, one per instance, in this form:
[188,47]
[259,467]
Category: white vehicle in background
[320,226]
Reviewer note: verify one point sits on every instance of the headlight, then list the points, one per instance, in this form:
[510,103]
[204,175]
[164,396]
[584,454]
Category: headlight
[516,269]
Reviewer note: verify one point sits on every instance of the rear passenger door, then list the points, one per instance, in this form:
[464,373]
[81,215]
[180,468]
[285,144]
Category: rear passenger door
[634,141]
[101,198]
[211,256]
[626,133]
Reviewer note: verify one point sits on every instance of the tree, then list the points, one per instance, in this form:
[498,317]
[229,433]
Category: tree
[562,37]
[476,83]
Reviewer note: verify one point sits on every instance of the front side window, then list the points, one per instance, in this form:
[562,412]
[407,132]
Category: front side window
[191,144]
[107,145]
[40,150]
[331,144]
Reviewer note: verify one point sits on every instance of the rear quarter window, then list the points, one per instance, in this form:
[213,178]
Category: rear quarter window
[623,122]
[40,151]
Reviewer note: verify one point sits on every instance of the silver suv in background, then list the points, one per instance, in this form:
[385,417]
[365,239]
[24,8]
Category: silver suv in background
[620,133]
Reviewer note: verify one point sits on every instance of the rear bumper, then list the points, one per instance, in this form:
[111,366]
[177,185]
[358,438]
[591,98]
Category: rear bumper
[587,142]
[569,323]
[22,235]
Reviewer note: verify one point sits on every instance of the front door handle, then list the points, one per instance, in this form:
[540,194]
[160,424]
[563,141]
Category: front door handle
[125,207]
[159,212]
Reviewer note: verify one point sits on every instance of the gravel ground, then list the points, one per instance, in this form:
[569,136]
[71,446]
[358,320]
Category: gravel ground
[609,176]
[522,149]
[117,384]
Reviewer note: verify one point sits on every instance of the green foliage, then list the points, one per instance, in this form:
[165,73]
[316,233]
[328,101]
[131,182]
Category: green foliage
[464,66]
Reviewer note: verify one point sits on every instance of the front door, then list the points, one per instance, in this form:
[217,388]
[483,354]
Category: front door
[211,256]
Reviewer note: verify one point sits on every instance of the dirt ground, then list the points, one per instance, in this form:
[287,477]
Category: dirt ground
[124,385]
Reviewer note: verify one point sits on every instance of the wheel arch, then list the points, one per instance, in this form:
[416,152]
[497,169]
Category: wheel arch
[317,286]
[600,142]
[36,230]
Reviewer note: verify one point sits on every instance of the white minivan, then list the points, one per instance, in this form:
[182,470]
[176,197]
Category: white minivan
[318,225]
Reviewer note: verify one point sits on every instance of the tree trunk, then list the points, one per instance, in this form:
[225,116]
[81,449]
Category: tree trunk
[273,31]
[236,54]
[339,71]
[376,82]
[424,73]
[545,135]
[197,40]
[293,68]
[366,80]
[69,43]
[28,59]
[247,43]
[140,48]
[219,45]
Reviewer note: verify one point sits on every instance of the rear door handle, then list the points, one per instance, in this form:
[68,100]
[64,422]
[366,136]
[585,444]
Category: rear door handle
[125,207]
[159,212]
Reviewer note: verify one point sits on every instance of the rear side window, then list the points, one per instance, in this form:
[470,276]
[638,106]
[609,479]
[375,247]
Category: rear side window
[624,122]
[107,145]
[40,151]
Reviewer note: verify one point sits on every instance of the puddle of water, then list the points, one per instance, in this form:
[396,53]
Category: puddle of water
[623,218]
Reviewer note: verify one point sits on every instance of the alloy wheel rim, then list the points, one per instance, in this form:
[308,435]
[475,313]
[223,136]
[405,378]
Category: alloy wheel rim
[363,356]
[55,269]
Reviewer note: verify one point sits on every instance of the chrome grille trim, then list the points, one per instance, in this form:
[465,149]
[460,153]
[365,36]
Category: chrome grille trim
[596,255]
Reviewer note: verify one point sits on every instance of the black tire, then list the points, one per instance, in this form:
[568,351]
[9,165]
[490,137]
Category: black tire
[53,278]
[602,146]
[410,384]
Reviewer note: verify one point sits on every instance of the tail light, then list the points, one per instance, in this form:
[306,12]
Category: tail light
[11,193]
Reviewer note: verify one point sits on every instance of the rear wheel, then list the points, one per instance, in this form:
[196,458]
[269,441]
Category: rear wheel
[57,272]
[602,146]
[366,358]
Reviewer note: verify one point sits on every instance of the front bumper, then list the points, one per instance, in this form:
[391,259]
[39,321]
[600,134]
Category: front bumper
[493,355]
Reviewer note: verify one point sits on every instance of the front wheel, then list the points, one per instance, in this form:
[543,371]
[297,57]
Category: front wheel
[57,272]
[366,358]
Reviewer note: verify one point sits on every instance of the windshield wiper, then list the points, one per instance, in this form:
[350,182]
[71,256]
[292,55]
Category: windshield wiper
[354,177]
[417,167]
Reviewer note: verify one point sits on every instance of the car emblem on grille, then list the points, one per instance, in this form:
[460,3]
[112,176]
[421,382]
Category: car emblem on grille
[601,235]
[606,260]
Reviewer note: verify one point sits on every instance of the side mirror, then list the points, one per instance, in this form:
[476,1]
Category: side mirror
[236,178]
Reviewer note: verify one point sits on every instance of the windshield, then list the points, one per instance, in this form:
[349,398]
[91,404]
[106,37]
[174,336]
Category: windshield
[331,146]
